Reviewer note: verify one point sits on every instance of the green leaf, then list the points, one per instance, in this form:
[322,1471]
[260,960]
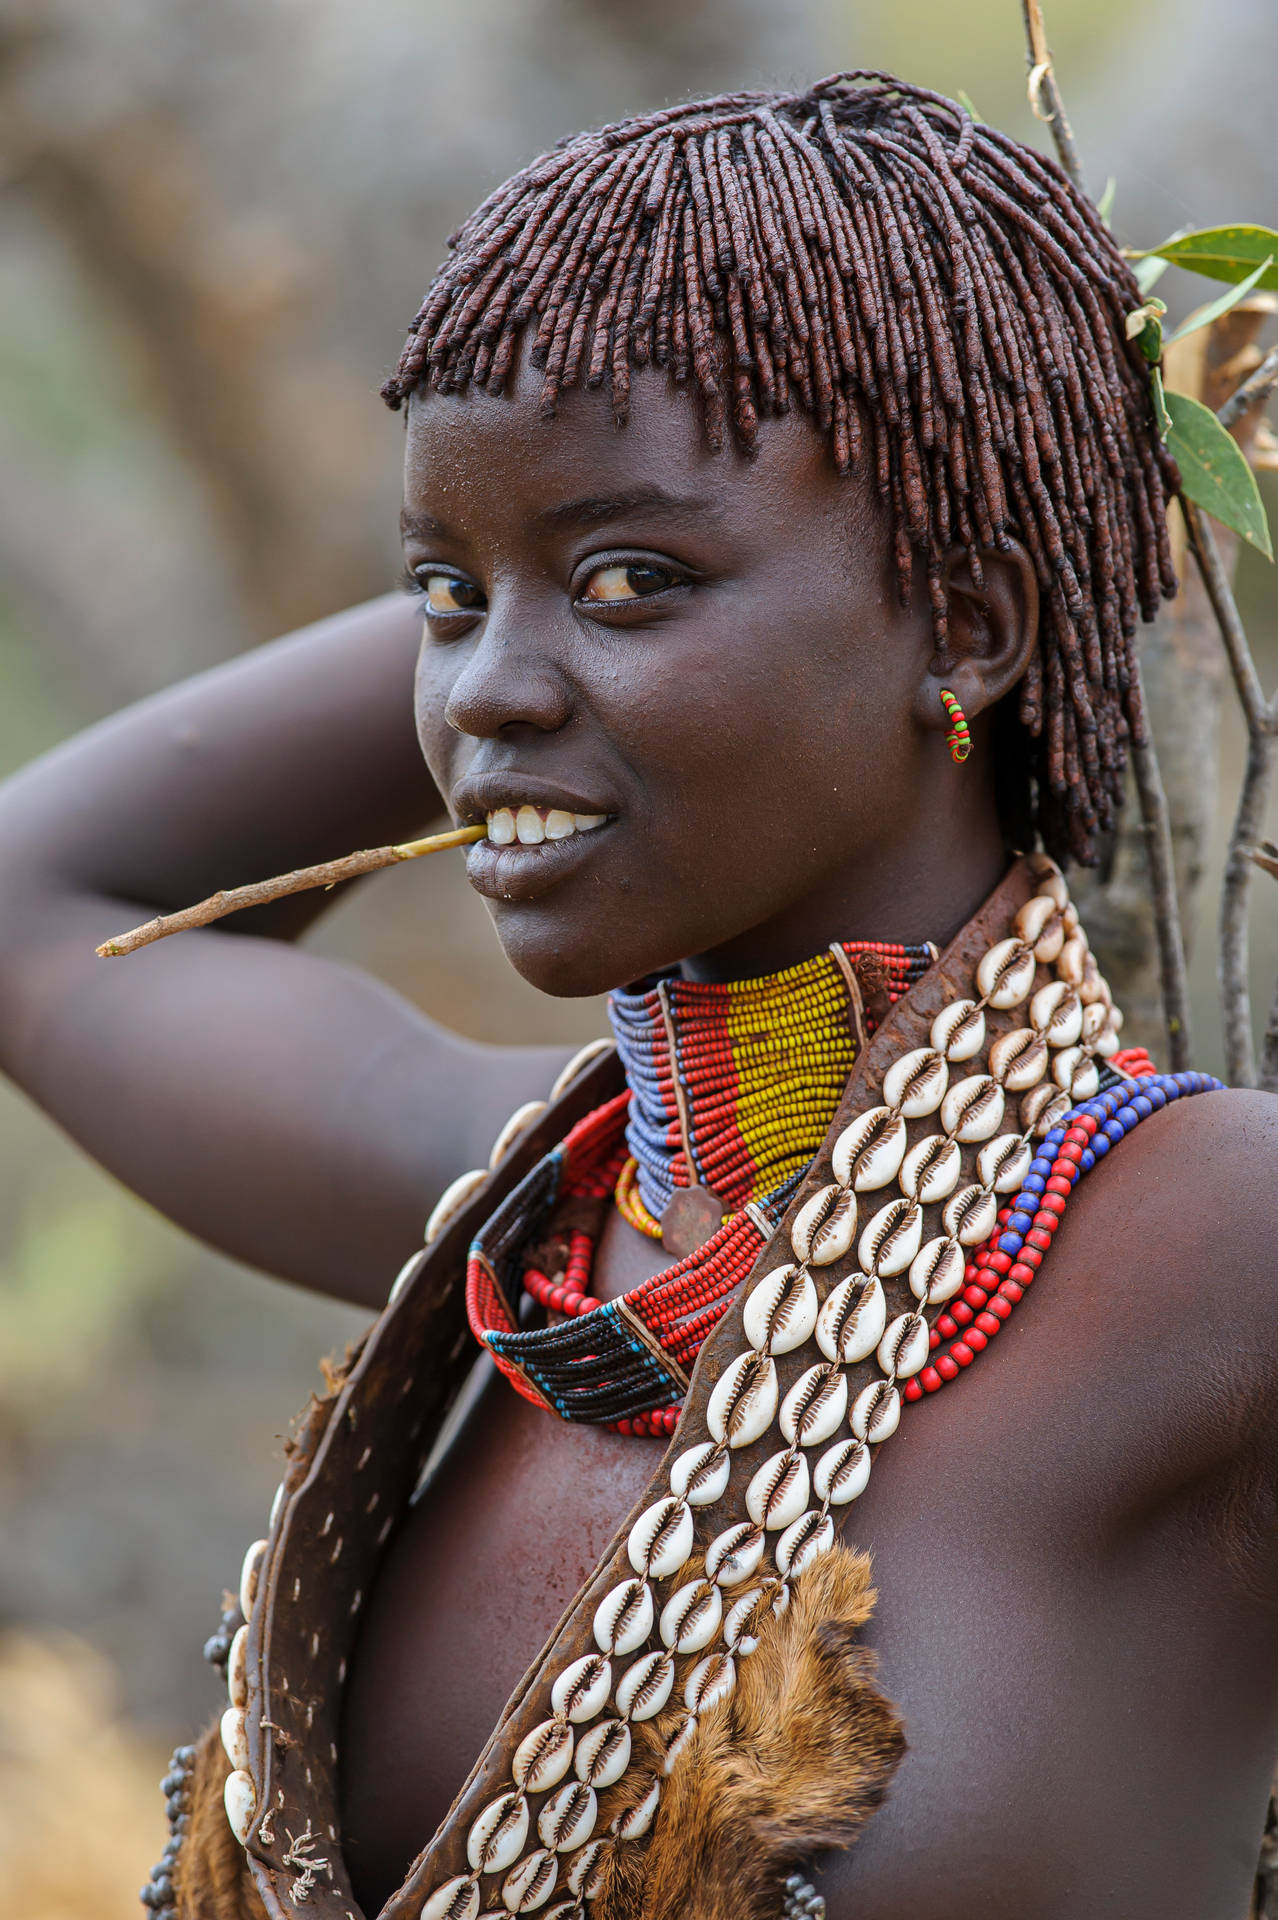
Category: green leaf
[1161,416]
[964,99]
[1148,271]
[1214,473]
[1221,253]
[1105,205]
[1213,311]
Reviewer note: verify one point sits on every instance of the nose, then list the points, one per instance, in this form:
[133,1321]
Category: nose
[509,677]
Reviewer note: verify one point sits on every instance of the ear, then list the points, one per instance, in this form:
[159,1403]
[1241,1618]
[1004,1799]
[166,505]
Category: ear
[992,627]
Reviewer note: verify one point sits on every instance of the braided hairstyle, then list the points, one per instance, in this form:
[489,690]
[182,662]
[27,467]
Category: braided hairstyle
[937,298]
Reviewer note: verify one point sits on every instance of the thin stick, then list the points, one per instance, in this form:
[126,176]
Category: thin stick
[329,873]
[1256,387]
[1045,99]
[1044,94]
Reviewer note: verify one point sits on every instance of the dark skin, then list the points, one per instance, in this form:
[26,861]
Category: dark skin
[1076,1548]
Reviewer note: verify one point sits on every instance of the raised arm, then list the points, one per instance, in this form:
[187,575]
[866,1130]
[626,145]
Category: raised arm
[289,1110]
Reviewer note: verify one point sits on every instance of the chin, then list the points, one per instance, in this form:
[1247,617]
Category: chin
[566,966]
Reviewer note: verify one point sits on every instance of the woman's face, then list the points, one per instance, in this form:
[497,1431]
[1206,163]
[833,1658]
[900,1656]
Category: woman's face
[691,666]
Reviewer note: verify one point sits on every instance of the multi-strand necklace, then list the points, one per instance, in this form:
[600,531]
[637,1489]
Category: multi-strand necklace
[731,1087]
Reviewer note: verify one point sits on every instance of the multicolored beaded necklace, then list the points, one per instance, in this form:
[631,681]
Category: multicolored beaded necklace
[731,1087]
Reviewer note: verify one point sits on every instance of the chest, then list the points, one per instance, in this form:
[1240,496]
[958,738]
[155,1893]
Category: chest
[1078,1688]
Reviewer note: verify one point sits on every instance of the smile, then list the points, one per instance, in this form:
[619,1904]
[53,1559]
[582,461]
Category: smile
[529,826]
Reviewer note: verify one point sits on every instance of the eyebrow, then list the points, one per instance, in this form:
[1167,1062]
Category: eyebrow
[593,509]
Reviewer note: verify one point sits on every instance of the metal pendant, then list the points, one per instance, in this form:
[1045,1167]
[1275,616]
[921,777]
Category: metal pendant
[690,1217]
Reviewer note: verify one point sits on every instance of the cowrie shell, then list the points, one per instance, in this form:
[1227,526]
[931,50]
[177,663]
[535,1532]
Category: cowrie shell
[891,1239]
[623,1618]
[781,1310]
[1071,961]
[457,1899]
[1066,1065]
[239,1797]
[958,1030]
[1094,986]
[914,1084]
[905,1346]
[1034,1102]
[936,1272]
[690,1618]
[1005,974]
[661,1538]
[578,1064]
[876,1412]
[1052,1112]
[710,1681]
[644,1688]
[971,1215]
[931,1169]
[816,1403]
[1052,884]
[451,1201]
[1056,1011]
[530,1884]
[603,1754]
[674,1752]
[542,1756]
[824,1226]
[742,1617]
[973,1108]
[1085,1081]
[567,1820]
[1018,1059]
[734,1554]
[237,1668]
[811,1535]
[1095,1018]
[249,1575]
[1034,917]
[1106,1043]
[778,1493]
[868,1153]
[582,1879]
[842,1473]
[519,1122]
[851,1322]
[1003,1163]
[742,1406]
[497,1837]
[582,1689]
[700,1474]
[634,1824]
[235,1739]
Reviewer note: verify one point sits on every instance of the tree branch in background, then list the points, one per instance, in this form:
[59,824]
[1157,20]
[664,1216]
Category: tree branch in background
[1253,392]
[1044,94]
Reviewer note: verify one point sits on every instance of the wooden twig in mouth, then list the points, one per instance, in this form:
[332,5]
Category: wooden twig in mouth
[329,873]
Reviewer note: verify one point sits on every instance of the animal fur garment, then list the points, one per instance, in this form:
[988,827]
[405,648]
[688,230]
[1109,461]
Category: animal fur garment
[796,1760]
[212,1881]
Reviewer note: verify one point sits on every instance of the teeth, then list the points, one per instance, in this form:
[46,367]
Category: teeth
[530,826]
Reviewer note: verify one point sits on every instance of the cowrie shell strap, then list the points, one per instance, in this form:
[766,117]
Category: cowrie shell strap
[372,1438]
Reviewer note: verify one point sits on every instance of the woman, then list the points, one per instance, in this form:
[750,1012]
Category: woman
[754,450]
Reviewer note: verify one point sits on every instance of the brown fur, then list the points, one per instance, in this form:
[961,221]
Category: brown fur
[212,1881]
[795,1761]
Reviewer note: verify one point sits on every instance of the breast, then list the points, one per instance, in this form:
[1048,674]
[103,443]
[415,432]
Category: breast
[471,1588]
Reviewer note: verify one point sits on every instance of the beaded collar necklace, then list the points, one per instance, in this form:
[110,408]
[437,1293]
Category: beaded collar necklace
[731,1088]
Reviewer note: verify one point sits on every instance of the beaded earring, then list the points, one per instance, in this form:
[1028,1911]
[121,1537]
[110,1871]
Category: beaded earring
[958,739]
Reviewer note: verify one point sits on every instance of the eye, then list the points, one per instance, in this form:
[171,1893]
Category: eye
[626,582]
[448,593]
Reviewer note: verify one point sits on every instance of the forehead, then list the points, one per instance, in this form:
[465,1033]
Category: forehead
[474,453]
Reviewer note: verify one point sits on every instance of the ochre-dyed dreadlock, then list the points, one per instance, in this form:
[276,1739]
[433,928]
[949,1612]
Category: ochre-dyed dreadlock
[938,299]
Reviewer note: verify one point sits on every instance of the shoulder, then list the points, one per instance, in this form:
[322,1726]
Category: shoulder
[1182,1217]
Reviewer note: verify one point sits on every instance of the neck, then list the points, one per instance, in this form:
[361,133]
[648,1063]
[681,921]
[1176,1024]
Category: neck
[915,886]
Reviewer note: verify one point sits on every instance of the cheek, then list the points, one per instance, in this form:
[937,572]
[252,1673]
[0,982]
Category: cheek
[431,683]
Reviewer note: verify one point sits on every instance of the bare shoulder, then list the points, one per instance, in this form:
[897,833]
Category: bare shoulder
[1182,1222]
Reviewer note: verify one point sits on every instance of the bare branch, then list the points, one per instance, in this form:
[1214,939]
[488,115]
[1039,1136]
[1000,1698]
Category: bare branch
[330,873]
[1044,94]
[1256,388]
[1202,543]
[1173,974]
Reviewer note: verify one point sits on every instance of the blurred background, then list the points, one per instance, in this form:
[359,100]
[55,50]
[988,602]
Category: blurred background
[215,221]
